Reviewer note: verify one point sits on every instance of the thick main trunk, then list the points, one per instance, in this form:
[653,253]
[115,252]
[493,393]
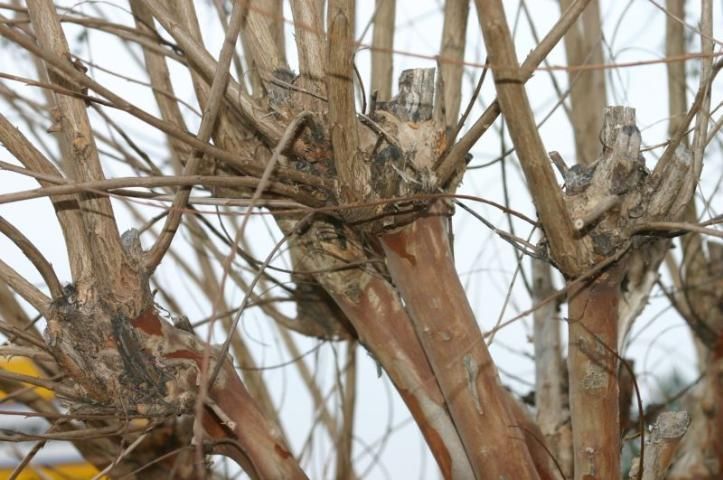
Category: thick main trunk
[383,326]
[375,311]
[593,366]
[421,265]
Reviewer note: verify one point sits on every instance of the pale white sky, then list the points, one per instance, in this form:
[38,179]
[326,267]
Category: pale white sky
[389,444]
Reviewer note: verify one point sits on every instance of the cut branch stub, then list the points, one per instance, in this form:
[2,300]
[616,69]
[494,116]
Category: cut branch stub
[110,349]
[609,200]
[416,96]
[665,437]
[123,357]
[400,142]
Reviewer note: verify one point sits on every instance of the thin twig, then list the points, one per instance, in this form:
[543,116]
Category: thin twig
[208,122]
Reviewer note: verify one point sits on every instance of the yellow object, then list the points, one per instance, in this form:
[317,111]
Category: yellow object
[24,366]
[63,471]
[81,471]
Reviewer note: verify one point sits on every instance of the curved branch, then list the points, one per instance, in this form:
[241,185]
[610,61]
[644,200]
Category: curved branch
[65,206]
[25,289]
[33,254]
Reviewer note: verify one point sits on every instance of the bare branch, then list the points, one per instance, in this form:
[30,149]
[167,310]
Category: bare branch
[382,47]
[25,289]
[583,46]
[353,174]
[455,159]
[549,374]
[33,254]
[207,67]
[509,80]
[81,159]
[65,206]
[310,43]
[259,39]
[148,182]
[454,39]
[346,432]
[210,115]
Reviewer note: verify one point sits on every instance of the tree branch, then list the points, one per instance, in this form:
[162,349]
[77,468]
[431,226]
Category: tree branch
[353,175]
[454,39]
[33,254]
[81,160]
[509,80]
[210,115]
[455,159]
[25,289]
[382,47]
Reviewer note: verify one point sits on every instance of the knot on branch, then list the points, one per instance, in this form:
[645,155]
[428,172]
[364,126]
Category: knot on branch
[610,200]
[121,355]
[399,142]
[140,365]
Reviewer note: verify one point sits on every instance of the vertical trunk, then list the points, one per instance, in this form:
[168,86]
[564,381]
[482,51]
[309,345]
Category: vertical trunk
[347,392]
[384,328]
[373,307]
[421,265]
[592,366]
[552,412]
[451,62]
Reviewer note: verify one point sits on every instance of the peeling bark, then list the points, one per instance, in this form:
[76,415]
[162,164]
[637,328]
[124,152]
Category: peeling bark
[593,368]
[372,305]
[419,255]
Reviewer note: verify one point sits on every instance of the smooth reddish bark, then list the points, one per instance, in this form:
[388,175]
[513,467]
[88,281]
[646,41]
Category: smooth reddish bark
[592,366]
[384,328]
[419,257]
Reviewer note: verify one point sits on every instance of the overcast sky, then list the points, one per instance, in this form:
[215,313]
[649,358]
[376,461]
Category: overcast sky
[389,444]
